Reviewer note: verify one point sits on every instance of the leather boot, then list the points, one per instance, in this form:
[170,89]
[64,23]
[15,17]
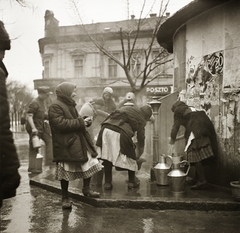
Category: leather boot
[66,204]
[90,193]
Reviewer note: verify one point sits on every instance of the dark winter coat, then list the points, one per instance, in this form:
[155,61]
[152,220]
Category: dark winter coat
[193,121]
[9,162]
[127,120]
[69,135]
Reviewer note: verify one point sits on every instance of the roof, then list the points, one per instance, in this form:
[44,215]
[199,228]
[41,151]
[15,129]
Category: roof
[95,28]
[193,9]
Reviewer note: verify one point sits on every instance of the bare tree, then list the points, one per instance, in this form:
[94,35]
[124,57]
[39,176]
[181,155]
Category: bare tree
[19,96]
[131,48]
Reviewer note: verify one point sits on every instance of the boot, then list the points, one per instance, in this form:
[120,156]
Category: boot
[66,204]
[90,193]
[108,175]
[133,185]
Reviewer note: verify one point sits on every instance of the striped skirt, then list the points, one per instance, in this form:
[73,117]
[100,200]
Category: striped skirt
[200,149]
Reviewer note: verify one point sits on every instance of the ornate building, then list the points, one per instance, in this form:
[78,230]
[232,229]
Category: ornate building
[69,55]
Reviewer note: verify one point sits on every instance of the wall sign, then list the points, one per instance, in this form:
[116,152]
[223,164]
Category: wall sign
[158,90]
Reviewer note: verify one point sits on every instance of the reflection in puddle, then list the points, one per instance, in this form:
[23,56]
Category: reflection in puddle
[148,225]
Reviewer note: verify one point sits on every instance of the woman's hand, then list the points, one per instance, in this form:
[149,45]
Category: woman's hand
[171,149]
[88,121]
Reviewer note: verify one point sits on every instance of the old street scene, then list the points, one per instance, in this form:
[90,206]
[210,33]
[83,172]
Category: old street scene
[124,116]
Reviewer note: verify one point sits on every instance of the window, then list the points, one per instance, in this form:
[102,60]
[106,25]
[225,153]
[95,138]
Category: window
[112,68]
[46,69]
[47,59]
[78,67]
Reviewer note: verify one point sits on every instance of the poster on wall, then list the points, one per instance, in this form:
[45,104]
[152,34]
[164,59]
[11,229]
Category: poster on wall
[204,80]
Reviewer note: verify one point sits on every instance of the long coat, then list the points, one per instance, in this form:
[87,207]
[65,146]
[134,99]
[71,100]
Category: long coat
[9,162]
[197,122]
[69,135]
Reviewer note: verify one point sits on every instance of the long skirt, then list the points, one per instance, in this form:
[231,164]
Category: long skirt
[75,170]
[200,149]
[111,151]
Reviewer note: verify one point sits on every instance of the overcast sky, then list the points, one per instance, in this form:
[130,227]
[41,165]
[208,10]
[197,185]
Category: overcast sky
[25,26]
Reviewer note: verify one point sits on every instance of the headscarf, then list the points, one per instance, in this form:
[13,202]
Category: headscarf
[64,91]
[179,108]
[108,90]
[65,88]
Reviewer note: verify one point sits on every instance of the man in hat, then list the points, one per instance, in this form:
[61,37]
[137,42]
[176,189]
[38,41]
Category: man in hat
[37,124]
[9,162]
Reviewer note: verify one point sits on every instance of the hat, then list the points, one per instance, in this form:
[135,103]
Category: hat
[4,38]
[147,111]
[44,90]
[108,90]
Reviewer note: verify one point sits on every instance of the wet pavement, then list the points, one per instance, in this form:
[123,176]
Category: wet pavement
[148,196]
[151,208]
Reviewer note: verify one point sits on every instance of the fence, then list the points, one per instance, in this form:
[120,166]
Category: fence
[17,122]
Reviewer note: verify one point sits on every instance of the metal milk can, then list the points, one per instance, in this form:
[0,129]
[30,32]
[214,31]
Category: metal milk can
[177,176]
[162,169]
[36,142]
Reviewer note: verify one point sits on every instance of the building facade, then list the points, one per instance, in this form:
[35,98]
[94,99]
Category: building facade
[69,55]
[204,38]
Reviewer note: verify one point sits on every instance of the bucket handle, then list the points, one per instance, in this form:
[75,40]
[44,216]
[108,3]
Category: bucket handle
[169,158]
[185,161]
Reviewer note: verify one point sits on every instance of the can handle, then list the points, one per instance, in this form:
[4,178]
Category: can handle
[185,161]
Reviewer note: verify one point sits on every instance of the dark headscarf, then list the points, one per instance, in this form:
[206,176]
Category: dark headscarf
[65,88]
[64,91]
[180,109]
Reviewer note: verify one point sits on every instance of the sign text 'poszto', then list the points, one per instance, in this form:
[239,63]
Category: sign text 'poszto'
[159,90]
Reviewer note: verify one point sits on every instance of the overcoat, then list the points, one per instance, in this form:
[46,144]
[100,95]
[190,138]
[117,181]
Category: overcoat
[69,135]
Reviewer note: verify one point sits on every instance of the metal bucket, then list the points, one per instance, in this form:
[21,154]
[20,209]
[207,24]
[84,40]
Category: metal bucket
[161,176]
[178,177]
[162,169]
[177,184]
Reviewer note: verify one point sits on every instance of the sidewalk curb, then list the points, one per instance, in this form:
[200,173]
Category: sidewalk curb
[147,203]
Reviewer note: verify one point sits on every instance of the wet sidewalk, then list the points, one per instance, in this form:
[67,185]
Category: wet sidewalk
[148,196]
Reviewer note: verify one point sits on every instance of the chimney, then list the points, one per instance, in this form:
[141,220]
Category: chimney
[167,14]
[153,15]
[132,16]
[51,24]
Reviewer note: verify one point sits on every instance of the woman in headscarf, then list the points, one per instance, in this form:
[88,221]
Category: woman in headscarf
[116,144]
[73,149]
[200,138]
